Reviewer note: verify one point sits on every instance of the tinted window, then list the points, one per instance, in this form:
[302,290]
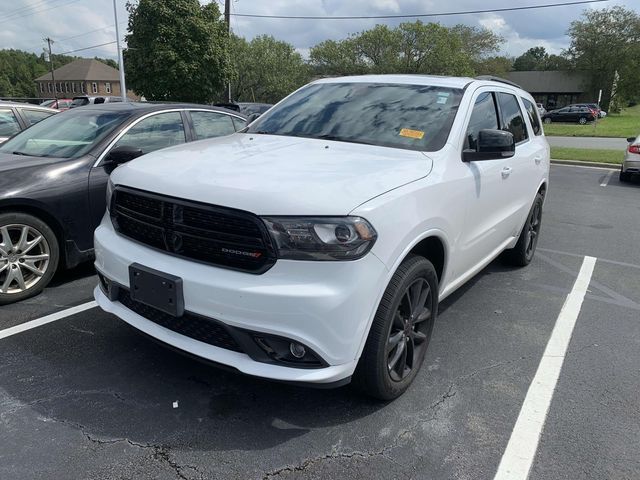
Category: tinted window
[155,132]
[483,117]
[34,116]
[80,101]
[533,116]
[211,124]
[8,123]
[239,123]
[563,110]
[65,136]
[414,117]
[512,119]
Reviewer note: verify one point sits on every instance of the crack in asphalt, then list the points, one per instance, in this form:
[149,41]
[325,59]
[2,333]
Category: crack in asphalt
[335,454]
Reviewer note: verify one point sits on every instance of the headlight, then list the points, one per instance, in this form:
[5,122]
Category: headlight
[109,192]
[321,238]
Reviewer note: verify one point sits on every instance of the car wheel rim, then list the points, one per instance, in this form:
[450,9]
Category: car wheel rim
[533,230]
[408,336]
[24,258]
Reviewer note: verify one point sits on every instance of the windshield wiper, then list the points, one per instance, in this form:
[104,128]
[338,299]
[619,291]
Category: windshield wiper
[27,154]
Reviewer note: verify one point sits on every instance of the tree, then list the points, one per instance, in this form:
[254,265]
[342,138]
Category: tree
[533,59]
[412,47]
[497,66]
[605,44]
[176,50]
[265,69]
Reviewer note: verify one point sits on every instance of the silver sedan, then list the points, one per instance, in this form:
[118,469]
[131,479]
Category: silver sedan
[631,163]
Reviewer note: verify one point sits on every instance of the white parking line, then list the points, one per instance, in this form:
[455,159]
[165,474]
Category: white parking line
[518,457]
[48,319]
[605,182]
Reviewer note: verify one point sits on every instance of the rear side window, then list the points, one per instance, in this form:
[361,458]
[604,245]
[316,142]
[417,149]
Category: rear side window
[34,116]
[483,117]
[532,111]
[8,123]
[153,133]
[512,118]
[211,124]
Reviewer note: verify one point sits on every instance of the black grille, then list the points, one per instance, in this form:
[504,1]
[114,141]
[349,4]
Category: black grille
[210,234]
[199,328]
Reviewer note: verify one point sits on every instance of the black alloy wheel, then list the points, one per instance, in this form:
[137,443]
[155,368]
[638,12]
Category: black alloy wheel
[406,342]
[401,331]
[522,254]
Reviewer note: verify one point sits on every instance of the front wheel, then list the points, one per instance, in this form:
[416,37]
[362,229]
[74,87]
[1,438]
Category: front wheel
[522,254]
[582,121]
[401,331]
[28,256]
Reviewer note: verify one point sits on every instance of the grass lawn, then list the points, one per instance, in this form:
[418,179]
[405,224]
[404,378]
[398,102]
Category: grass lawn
[622,125]
[587,155]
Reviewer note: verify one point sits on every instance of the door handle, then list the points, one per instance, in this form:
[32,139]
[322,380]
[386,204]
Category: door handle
[506,171]
[538,159]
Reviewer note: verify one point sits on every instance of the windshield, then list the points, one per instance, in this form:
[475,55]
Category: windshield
[79,101]
[66,135]
[414,117]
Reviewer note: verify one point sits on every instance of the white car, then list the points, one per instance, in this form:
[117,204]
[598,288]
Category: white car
[314,246]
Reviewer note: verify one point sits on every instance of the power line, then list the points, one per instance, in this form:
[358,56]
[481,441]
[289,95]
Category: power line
[419,15]
[7,19]
[87,33]
[88,48]
[39,4]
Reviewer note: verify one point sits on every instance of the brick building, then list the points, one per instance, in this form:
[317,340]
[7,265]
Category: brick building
[85,76]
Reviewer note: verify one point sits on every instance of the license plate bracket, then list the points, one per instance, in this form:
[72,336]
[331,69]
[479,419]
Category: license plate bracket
[156,289]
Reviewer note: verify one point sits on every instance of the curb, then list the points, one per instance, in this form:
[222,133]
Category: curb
[582,163]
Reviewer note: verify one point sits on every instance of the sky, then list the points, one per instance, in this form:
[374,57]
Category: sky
[77,24]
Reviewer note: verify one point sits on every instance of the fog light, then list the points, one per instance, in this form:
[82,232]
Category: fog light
[297,350]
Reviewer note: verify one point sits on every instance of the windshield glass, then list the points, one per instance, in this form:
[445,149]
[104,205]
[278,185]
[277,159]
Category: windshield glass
[414,117]
[66,135]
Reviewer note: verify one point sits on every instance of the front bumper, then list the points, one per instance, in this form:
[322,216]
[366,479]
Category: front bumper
[327,306]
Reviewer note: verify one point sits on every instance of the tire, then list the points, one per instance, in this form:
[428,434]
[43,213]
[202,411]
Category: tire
[547,120]
[29,256]
[522,254]
[582,121]
[395,336]
[624,176]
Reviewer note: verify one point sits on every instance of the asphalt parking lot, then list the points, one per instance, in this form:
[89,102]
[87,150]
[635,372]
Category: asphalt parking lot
[87,397]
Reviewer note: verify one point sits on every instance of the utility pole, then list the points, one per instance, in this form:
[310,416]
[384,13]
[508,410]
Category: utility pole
[227,20]
[123,85]
[53,78]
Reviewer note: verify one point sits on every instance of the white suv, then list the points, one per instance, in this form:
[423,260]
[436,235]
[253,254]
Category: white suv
[314,246]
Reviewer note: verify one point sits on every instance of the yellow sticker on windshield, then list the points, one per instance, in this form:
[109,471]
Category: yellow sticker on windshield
[407,132]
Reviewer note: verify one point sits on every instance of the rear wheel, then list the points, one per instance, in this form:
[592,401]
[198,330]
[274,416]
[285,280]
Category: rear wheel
[624,176]
[522,254]
[582,121]
[547,120]
[28,256]
[401,331]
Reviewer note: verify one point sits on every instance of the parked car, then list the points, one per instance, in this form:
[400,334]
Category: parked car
[53,178]
[594,107]
[631,163]
[315,245]
[83,100]
[59,104]
[581,115]
[254,108]
[15,117]
[541,109]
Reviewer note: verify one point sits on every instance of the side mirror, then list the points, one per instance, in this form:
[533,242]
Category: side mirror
[253,117]
[631,139]
[122,154]
[492,145]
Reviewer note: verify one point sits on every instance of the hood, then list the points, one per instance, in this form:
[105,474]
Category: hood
[9,161]
[275,175]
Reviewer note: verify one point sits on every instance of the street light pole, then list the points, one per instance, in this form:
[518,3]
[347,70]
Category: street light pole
[123,86]
[227,20]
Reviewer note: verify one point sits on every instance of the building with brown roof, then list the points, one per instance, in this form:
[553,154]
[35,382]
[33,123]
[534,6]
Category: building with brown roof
[84,76]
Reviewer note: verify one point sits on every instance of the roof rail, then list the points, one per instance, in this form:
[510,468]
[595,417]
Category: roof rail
[497,79]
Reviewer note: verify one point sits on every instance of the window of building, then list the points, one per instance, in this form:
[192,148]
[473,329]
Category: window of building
[66,87]
[82,87]
[532,111]
[73,87]
[512,118]
[41,87]
[48,87]
[107,87]
[483,117]
[94,87]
